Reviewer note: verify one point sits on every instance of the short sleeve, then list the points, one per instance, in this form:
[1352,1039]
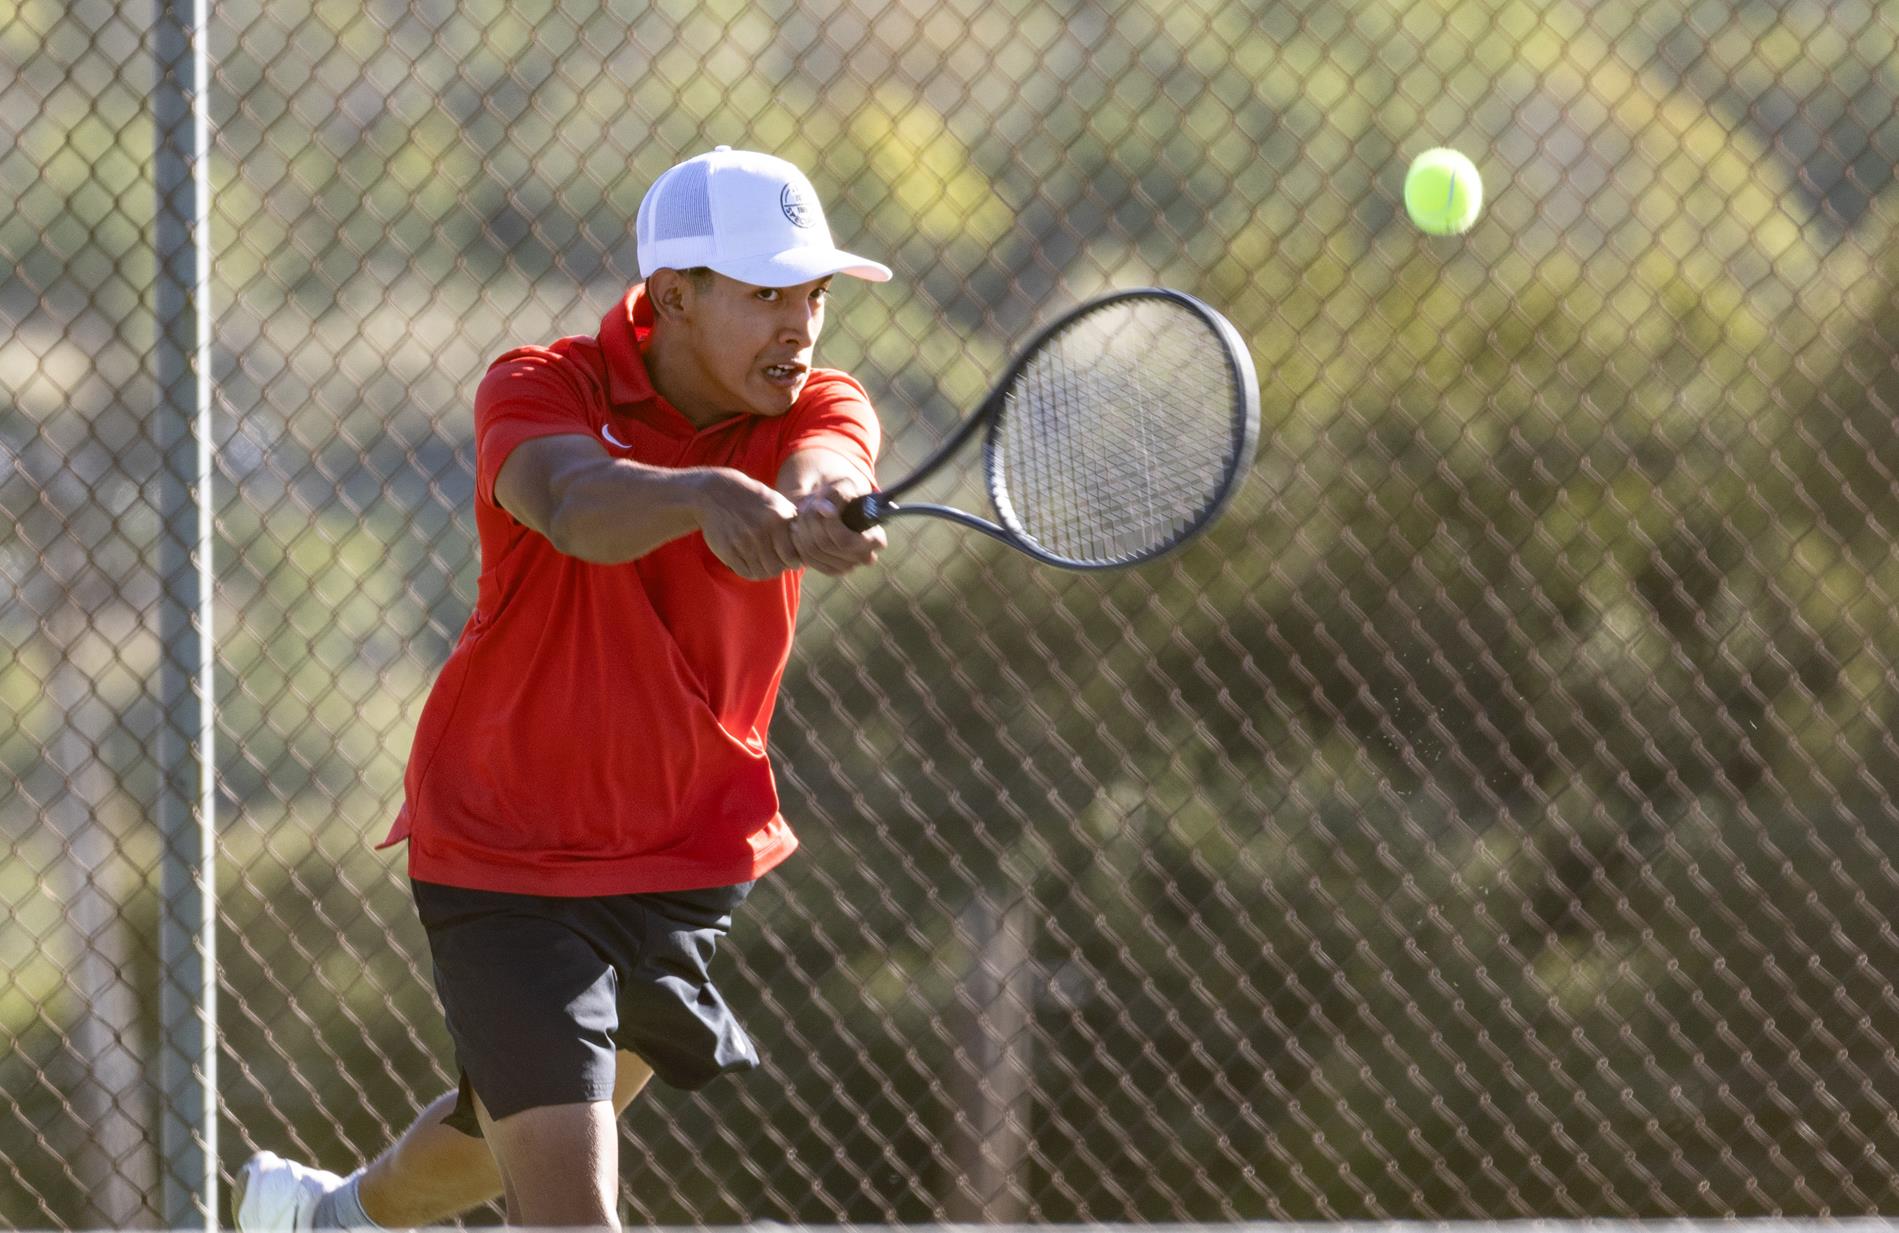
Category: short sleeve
[834,413]
[529,392]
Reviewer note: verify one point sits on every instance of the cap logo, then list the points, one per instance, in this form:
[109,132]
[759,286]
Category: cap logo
[797,208]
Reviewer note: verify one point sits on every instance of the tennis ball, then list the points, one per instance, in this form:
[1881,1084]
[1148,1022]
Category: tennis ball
[1442,192]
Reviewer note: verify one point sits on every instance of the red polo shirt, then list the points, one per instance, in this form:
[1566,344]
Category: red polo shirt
[600,729]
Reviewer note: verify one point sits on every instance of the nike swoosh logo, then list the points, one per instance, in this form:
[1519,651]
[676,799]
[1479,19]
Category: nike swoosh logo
[607,432]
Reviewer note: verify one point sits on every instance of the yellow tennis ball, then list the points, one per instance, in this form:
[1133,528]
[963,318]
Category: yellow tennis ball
[1442,192]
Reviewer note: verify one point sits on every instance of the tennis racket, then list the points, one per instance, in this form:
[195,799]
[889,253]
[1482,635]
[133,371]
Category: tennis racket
[1117,435]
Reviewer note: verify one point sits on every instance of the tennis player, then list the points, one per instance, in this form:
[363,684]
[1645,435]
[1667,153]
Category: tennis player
[588,798]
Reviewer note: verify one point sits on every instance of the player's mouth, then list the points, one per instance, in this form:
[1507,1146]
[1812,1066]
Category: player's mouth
[786,376]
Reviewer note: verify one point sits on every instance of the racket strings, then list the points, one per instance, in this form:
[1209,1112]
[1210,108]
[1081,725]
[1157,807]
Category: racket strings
[1120,435]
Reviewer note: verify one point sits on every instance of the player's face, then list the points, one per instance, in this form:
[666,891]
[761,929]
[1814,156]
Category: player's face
[754,344]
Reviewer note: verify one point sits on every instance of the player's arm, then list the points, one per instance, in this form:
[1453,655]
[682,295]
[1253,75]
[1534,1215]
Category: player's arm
[820,482]
[606,510]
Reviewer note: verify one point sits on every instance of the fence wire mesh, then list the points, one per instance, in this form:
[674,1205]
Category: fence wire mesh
[1495,817]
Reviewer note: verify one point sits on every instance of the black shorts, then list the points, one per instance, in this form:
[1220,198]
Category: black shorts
[539,992]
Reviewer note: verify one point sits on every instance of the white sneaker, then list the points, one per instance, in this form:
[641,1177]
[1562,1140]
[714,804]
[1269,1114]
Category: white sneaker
[273,1194]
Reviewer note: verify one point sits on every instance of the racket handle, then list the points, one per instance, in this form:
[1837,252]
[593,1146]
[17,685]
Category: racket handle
[865,512]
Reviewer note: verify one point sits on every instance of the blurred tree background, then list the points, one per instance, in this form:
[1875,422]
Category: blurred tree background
[1494,817]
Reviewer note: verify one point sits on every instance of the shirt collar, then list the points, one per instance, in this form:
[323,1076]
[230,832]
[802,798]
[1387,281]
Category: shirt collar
[624,329]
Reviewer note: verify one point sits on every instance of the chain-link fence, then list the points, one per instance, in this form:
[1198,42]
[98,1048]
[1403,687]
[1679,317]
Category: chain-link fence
[1494,817]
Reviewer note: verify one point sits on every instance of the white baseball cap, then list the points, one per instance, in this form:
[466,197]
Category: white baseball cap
[749,216]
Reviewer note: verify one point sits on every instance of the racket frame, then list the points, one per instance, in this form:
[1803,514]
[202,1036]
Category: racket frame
[877,507]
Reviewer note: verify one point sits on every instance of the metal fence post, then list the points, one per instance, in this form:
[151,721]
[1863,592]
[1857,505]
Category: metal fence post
[188,1005]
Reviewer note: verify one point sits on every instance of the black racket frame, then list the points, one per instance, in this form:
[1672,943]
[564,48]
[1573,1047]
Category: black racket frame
[870,510]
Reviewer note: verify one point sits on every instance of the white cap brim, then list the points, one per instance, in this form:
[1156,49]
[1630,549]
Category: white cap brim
[801,265]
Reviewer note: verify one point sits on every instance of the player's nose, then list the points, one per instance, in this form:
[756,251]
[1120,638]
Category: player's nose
[800,324]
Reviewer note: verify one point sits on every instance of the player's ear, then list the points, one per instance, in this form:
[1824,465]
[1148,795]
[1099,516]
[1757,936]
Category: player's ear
[670,293]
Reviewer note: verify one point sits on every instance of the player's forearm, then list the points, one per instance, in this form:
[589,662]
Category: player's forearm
[623,511]
[822,470]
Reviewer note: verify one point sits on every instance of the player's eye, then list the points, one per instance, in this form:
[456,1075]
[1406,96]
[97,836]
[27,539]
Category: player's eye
[768,294]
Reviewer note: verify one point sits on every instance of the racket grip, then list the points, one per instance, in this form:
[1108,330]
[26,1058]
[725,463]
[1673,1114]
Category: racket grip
[865,512]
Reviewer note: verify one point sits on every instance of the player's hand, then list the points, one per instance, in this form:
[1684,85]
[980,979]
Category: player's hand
[822,539]
[747,525]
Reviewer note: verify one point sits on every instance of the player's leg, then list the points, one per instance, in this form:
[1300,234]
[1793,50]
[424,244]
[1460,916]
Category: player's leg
[538,1022]
[559,1164]
[435,1172]
[427,1176]
[432,1174]
[552,1162]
